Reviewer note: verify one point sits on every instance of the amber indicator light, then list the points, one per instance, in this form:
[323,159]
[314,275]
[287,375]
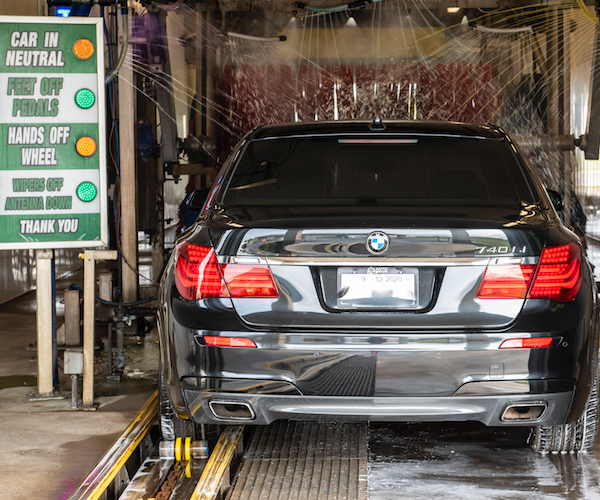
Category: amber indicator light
[83,49]
[85,146]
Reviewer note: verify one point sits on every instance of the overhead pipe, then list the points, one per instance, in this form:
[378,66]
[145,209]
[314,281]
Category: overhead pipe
[359,4]
[232,34]
[71,3]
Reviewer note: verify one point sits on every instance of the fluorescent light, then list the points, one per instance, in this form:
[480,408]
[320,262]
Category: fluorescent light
[63,11]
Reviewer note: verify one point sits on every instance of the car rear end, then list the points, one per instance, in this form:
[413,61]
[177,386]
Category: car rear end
[412,273]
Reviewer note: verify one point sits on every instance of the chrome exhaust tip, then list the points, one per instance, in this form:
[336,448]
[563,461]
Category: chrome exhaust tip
[524,411]
[232,410]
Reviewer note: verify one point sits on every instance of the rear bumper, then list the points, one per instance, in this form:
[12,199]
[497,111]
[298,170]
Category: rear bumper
[266,408]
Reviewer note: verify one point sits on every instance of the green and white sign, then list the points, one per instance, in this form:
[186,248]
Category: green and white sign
[52,133]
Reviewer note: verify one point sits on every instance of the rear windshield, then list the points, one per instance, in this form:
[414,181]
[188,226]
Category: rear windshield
[387,171]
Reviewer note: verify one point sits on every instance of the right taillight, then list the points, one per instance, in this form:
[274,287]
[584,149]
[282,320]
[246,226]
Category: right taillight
[557,276]
[198,275]
[506,282]
[528,343]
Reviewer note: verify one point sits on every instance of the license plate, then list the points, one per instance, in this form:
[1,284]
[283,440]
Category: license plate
[378,288]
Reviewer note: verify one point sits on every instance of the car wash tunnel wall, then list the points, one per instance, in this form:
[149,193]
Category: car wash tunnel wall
[203,74]
[203,77]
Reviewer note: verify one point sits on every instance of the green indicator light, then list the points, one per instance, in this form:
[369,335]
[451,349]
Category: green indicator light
[86,191]
[85,98]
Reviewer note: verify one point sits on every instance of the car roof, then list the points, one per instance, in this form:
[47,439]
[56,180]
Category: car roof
[342,127]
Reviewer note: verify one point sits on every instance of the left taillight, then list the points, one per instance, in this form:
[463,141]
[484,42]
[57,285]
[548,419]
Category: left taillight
[249,280]
[229,342]
[199,275]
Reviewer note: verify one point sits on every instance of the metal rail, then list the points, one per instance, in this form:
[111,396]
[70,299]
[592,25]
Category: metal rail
[216,475]
[94,486]
[286,459]
[161,474]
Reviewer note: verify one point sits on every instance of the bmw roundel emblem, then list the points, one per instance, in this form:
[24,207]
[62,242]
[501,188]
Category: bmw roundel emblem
[377,242]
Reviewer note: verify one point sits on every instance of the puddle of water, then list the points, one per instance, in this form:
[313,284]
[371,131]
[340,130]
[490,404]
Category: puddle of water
[18,381]
[424,461]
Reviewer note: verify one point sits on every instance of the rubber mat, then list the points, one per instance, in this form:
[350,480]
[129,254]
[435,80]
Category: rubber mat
[304,461]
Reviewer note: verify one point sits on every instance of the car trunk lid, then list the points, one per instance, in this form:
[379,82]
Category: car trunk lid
[427,277]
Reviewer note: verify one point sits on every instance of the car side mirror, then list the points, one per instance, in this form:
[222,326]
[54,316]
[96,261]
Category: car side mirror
[198,199]
[556,199]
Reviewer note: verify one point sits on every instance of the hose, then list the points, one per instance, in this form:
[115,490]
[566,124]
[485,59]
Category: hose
[586,11]
[116,304]
[121,60]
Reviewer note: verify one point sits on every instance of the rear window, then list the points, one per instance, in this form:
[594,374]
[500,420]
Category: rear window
[382,171]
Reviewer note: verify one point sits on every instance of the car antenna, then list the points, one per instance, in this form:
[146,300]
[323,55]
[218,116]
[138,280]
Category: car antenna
[377,124]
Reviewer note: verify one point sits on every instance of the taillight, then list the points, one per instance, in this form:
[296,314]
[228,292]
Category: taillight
[229,342]
[506,282]
[249,281]
[199,275]
[528,343]
[557,276]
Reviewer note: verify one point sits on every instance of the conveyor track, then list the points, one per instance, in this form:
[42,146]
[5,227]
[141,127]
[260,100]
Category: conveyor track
[284,461]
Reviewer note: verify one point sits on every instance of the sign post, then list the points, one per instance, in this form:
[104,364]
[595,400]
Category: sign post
[53,155]
[53,161]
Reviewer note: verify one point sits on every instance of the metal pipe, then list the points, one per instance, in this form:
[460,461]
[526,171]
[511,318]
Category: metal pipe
[74,391]
[71,3]
[503,31]
[109,342]
[359,4]
[232,34]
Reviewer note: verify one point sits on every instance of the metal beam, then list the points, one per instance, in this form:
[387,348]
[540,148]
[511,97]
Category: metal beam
[128,186]
[89,288]
[44,321]
[592,142]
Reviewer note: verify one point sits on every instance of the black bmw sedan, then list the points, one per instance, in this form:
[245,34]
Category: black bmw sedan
[398,271]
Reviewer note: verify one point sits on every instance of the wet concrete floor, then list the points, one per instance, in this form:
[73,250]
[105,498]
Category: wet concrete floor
[46,447]
[470,461]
